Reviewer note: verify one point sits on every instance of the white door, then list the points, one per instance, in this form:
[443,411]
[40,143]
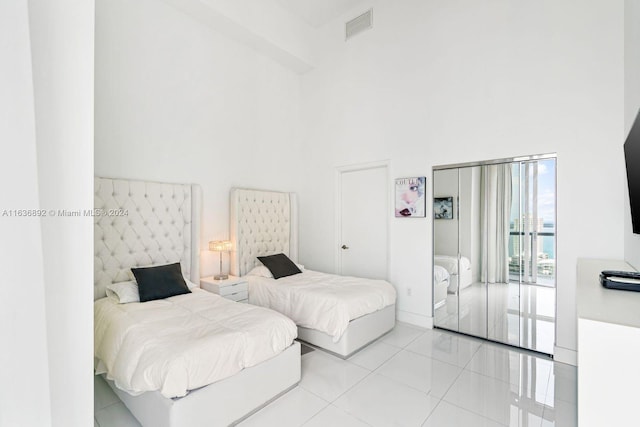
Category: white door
[363,216]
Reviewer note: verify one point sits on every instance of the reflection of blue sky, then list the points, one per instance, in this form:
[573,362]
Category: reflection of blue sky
[546,190]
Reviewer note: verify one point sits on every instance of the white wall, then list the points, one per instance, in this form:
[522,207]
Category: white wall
[62,50]
[446,82]
[24,365]
[178,102]
[631,106]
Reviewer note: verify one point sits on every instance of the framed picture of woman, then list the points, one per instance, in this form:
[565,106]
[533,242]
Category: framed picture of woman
[410,200]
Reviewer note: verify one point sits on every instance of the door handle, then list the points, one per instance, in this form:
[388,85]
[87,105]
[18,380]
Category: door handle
[344,247]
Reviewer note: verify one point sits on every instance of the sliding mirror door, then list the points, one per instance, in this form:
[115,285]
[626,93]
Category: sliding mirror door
[500,187]
[535,228]
[445,249]
[472,290]
[496,250]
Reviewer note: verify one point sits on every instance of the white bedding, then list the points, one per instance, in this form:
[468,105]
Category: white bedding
[440,274]
[183,342]
[451,263]
[325,302]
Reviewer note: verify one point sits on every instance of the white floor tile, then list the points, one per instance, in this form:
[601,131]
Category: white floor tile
[103,396]
[291,410]
[402,335]
[334,417]
[563,384]
[446,347]
[421,372]
[494,399]
[515,367]
[374,355]
[448,415]
[327,376]
[381,401]
[116,415]
[562,414]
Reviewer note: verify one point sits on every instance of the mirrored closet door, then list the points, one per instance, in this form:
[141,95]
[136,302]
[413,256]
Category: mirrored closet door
[494,251]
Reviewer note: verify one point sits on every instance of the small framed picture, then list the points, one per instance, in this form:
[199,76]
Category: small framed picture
[410,199]
[443,207]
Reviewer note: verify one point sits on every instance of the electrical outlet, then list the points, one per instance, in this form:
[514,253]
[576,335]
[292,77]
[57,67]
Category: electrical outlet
[409,292]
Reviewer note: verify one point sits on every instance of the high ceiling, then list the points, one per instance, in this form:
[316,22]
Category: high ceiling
[318,12]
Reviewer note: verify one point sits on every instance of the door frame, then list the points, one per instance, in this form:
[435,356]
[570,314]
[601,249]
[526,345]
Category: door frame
[339,170]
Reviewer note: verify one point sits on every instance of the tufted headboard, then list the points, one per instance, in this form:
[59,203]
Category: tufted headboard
[142,223]
[261,223]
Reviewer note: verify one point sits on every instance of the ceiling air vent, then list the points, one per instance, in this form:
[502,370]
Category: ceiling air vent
[359,24]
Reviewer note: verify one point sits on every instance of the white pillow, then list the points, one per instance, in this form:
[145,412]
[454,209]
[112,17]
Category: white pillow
[262,271]
[123,292]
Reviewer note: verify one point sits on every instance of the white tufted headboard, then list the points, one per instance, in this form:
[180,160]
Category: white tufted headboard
[261,223]
[141,223]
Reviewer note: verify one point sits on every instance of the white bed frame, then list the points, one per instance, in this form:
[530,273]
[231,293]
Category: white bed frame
[458,282]
[440,293]
[266,222]
[140,223]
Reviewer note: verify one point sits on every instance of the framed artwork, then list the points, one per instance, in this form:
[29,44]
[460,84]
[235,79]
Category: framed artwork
[443,207]
[410,200]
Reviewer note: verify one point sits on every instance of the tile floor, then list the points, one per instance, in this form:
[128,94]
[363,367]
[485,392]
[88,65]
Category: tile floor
[411,377]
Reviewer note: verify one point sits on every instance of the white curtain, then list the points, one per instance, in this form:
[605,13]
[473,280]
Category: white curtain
[495,210]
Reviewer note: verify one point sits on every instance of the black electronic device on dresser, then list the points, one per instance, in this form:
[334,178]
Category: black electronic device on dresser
[623,280]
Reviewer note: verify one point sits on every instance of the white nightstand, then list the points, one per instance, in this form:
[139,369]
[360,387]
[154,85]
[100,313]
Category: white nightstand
[233,288]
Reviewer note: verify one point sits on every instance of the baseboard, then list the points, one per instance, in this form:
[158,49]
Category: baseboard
[565,355]
[415,319]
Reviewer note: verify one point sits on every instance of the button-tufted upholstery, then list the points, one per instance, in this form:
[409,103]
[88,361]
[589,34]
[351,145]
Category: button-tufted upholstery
[261,223]
[141,223]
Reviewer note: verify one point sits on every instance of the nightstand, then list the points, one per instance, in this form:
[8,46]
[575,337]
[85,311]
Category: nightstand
[233,288]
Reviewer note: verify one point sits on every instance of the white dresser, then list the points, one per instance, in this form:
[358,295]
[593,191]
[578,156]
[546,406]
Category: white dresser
[233,288]
[608,349]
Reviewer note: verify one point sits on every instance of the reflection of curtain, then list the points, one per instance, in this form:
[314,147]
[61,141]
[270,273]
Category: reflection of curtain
[495,185]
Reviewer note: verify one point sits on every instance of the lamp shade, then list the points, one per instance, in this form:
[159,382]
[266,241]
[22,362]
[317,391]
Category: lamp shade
[220,245]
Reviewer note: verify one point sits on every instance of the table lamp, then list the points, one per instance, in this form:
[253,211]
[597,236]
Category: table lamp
[220,246]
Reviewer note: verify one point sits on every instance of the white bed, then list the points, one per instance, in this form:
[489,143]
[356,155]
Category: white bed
[265,223]
[144,223]
[460,277]
[320,301]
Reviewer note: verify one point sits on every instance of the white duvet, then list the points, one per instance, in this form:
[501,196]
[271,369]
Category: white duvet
[450,263]
[440,274]
[325,302]
[183,342]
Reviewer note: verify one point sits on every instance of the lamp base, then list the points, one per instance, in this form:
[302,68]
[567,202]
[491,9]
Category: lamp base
[221,277]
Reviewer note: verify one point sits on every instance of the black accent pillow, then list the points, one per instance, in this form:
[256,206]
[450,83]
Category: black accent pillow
[279,265]
[162,281]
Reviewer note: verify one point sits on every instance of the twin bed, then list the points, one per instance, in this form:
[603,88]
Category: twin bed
[163,357]
[339,314]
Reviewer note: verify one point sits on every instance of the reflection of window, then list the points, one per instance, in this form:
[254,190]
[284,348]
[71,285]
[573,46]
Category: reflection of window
[532,223]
